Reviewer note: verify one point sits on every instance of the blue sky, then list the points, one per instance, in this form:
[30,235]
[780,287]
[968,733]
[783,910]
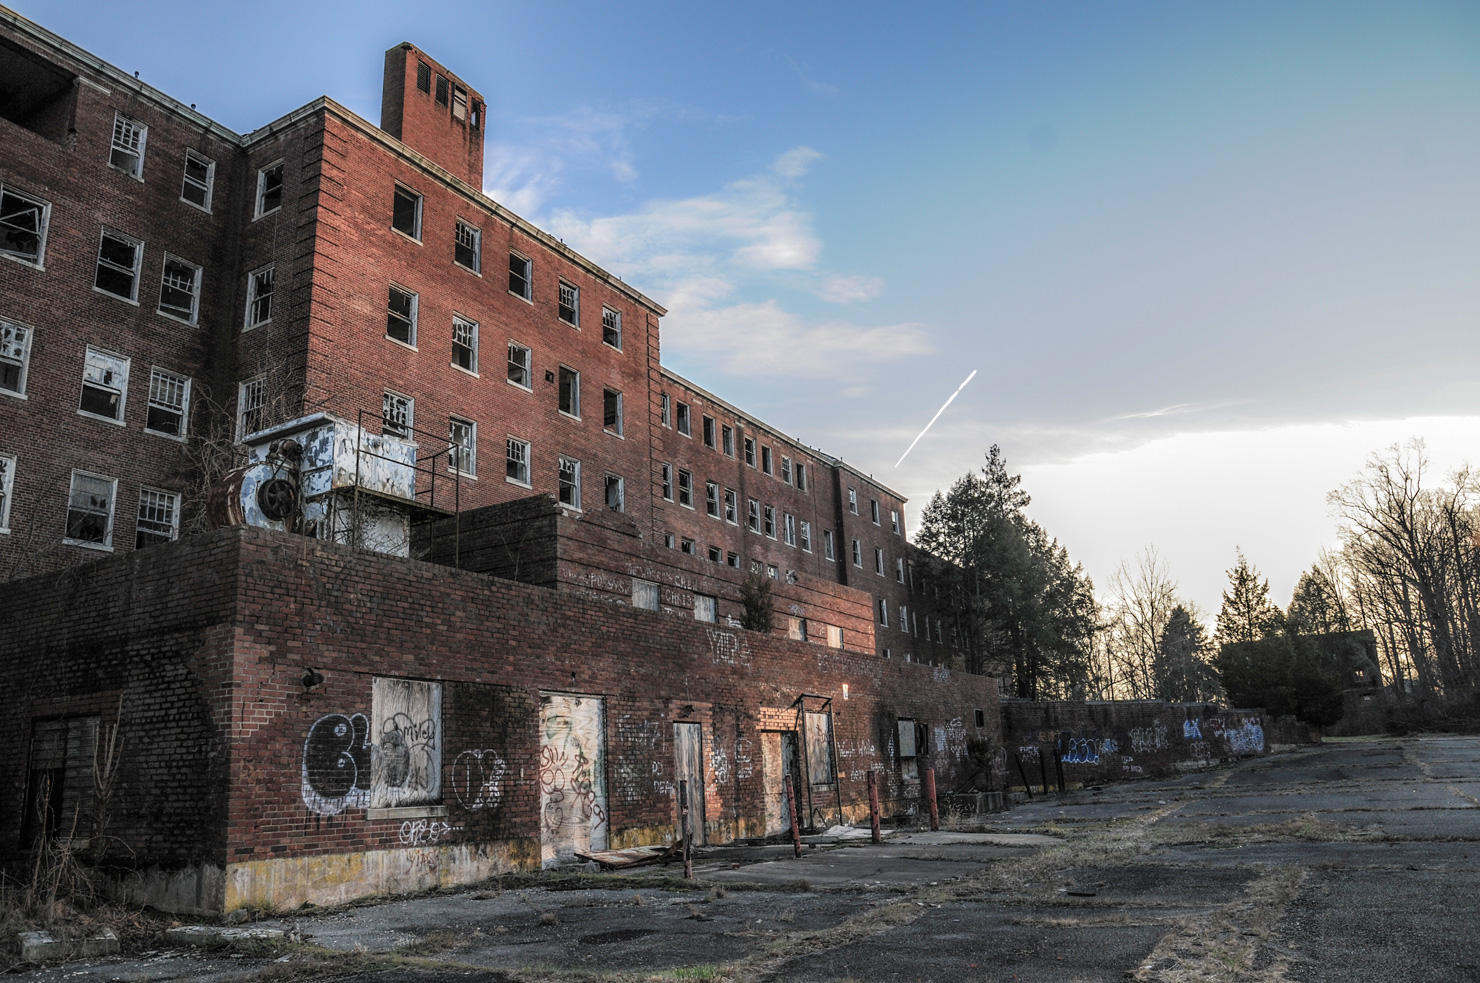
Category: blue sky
[1205,257]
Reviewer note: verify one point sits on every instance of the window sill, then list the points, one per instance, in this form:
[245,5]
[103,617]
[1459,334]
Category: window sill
[102,419]
[406,235]
[613,433]
[199,208]
[469,269]
[471,372]
[568,416]
[179,320]
[407,812]
[108,293]
[180,438]
[518,386]
[571,508]
[615,348]
[516,481]
[130,174]
[100,547]
[267,213]
[253,327]
[13,395]
[522,297]
[25,262]
[569,324]
[466,476]
[403,344]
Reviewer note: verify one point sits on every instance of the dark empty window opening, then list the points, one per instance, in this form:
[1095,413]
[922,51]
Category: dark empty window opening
[423,76]
[981,716]
[406,215]
[37,95]
[518,276]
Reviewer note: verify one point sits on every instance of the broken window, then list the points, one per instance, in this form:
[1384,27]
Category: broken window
[853,500]
[770,514]
[118,265]
[516,461]
[169,403]
[665,475]
[827,544]
[400,320]
[199,181]
[616,493]
[59,783]
[459,103]
[259,296]
[15,357]
[570,482]
[753,515]
[406,213]
[611,327]
[179,289]
[611,411]
[467,251]
[703,607]
[159,517]
[519,276]
[711,499]
[801,477]
[878,561]
[716,555]
[570,392]
[904,619]
[684,426]
[462,446]
[397,414]
[749,451]
[464,344]
[857,554]
[732,559]
[819,748]
[727,440]
[406,726]
[731,511]
[520,371]
[644,594]
[894,520]
[23,222]
[269,189]
[789,529]
[686,546]
[127,151]
[251,406]
[883,612]
[766,459]
[685,488]
[772,572]
[709,431]
[104,385]
[90,510]
[569,307]
[786,470]
[899,569]
[7,490]
[806,536]
[873,504]
[665,410]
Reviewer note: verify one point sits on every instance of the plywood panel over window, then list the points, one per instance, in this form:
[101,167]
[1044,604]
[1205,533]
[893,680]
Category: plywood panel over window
[819,748]
[406,724]
[573,816]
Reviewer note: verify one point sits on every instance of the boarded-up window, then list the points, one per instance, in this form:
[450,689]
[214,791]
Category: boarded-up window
[907,766]
[819,748]
[644,594]
[59,789]
[406,729]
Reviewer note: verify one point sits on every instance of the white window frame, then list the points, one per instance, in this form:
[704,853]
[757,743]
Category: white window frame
[415,234]
[43,220]
[517,454]
[107,544]
[15,349]
[789,529]
[873,508]
[899,569]
[615,429]
[878,561]
[611,324]
[768,521]
[710,431]
[827,545]
[462,456]
[753,515]
[665,476]
[256,297]
[685,488]
[527,295]
[574,412]
[684,423]
[575,303]
[573,466]
[767,461]
[801,484]
[138,244]
[727,440]
[477,247]
[401,404]
[261,196]
[749,446]
[410,341]
[894,520]
[732,507]
[858,554]
[135,149]
[471,327]
[853,500]
[527,363]
[194,291]
[785,469]
[7,490]
[805,536]
[257,385]
[172,382]
[711,499]
[209,185]
[101,355]
[621,486]
[884,612]
[665,411]
[153,499]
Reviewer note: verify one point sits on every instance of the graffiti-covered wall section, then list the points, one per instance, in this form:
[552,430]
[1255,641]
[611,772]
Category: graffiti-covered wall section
[1127,739]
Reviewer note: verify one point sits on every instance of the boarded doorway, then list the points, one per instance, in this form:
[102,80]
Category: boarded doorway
[778,759]
[573,815]
[688,753]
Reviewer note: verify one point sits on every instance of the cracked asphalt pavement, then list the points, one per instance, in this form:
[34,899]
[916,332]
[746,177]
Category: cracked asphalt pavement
[1351,861]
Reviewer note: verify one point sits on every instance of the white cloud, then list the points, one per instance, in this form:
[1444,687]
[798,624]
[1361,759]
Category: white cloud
[525,175]
[850,289]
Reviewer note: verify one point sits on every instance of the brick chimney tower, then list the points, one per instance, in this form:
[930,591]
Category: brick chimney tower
[433,112]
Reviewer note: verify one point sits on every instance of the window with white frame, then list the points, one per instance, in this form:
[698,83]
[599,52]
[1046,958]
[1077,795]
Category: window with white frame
[611,327]
[118,265]
[127,150]
[904,619]
[732,559]
[766,460]
[801,477]
[727,440]
[570,304]
[23,223]
[199,181]
[711,499]
[611,411]
[516,461]
[709,431]
[857,554]
[90,510]
[269,189]
[520,276]
[570,392]
[884,612]
[716,554]
[878,561]
[686,545]
[459,103]
[104,385]
[467,249]
[805,536]
[788,529]
[873,505]
[853,500]
[753,515]
[159,517]
[406,213]
[703,607]
[520,369]
[665,475]
[770,521]
[665,410]
[169,403]
[179,289]
[251,406]
[400,319]
[683,425]
[616,493]
[462,446]
[894,520]
[570,482]
[786,469]
[397,414]
[259,296]
[732,512]
[772,572]
[827,544]
[685,489]
[464,344]
[7,490]
[749,444]
[644,595]
[899,569]
[15,357]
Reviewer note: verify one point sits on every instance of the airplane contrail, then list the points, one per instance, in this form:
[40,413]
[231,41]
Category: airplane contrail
[933,419]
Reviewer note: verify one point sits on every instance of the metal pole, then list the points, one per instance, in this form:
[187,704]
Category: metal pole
[683,814]
[873,804]
[791,808]
[930,797]
[1043,769]
[1023,773]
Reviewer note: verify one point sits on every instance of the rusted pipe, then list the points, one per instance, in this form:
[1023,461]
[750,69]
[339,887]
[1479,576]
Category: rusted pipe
[930,797]
[873,804]
[683,819]
[791,808]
